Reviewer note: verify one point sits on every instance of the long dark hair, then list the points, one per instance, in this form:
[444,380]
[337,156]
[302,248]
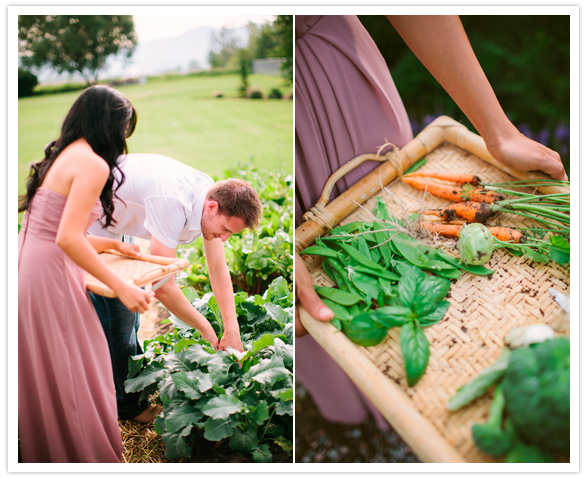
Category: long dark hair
[104,118]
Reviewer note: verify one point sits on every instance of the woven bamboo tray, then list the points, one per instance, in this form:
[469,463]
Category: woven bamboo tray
[482,311]
[141,271]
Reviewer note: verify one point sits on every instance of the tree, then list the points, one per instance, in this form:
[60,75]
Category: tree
[26,83]
[71,44]
[224,48]
[284,24]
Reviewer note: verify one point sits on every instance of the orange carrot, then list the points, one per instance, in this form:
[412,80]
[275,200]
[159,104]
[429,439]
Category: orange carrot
[507,235]
[453,193]
[458,178]
[470,211]
[453,231]
[444,230]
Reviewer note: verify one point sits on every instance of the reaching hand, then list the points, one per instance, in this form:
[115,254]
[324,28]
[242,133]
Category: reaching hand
[231,338]
[523,154]
[209,335]
[307,297]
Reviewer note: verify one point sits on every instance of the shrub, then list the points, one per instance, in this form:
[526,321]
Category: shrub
[26,83]
[275,94]
[255,94]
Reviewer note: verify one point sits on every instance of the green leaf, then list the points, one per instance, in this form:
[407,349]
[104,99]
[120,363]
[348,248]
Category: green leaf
[284,408]
[152,373]
[260,413]
[220,407]
[262,342]
[537,256]
[135,364]
[262,454]
[364,331]
[244,441]
[415,351]
[187,382]
[391,316]
[218,429]
[176,445]
[181,416]
[181,361]
[435,315]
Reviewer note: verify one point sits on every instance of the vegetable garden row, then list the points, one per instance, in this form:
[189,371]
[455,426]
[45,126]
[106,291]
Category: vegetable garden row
[245,399]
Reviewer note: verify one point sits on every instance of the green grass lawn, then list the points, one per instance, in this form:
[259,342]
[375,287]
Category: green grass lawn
[178,117]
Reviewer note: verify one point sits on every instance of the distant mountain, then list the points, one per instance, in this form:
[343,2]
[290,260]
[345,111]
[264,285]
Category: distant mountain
[183,53]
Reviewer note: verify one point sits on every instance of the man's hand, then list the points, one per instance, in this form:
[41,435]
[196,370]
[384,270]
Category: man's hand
[307,297]
[231,338]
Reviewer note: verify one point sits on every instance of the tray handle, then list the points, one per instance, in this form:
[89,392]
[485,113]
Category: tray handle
[349,166]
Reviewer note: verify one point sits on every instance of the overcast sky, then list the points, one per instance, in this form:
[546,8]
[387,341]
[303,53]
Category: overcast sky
[155,27]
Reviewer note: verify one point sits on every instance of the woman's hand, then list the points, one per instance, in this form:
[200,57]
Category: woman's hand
[129,249]
[523,154]
[134,297]
[307,297]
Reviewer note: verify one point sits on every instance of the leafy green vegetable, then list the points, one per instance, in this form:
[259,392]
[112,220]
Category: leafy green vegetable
[415,351]
[490,437]
[220,395]
[536,385]
[363,330]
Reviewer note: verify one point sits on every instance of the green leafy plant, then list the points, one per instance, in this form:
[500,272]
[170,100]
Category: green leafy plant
[245,398]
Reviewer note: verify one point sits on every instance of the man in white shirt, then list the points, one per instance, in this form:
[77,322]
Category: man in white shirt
[169,203]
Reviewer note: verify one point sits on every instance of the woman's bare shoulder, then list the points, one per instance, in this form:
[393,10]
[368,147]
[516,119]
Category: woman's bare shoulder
[79,154]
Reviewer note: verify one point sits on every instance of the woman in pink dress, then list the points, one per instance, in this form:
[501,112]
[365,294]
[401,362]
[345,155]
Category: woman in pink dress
[347,105]
[66,401]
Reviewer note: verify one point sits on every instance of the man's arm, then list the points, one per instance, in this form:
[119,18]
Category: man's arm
[222,288]
[175,301]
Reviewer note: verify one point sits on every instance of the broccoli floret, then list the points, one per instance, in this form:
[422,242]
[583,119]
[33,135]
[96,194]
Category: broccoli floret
[536,387]
[522,453]
[490,437]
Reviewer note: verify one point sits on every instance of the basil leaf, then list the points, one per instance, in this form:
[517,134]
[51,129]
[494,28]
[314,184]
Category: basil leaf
[338,296]
[391,316]
[430,292]
[435,315]
[415,351]
[409,287]
[364,331]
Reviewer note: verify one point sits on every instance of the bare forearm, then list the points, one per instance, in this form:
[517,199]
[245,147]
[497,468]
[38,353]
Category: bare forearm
[172,298]
[222,288]
[441,44]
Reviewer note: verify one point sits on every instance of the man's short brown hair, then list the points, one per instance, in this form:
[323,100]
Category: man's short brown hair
[236,198]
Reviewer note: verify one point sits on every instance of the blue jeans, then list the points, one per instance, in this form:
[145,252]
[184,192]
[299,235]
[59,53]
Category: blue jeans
[121,326]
